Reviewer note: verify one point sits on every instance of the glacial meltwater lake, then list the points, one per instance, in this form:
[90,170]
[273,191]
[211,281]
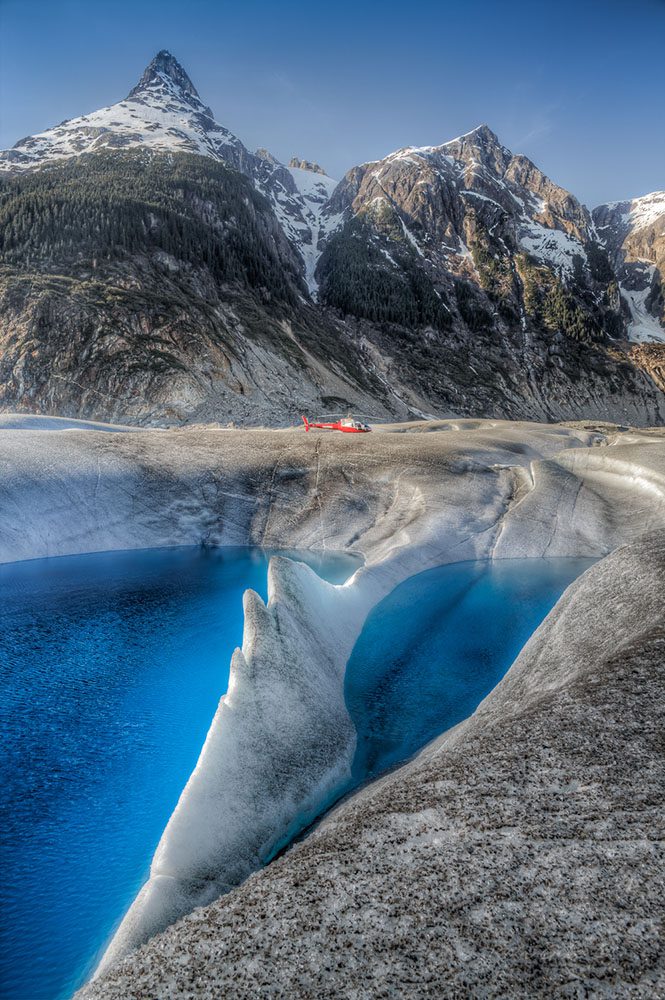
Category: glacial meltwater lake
[111,667]
[433,648]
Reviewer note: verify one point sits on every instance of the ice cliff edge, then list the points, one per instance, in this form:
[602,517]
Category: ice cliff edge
[280,744]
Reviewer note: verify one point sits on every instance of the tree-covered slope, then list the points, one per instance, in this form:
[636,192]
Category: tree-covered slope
[101,209]
[155,286]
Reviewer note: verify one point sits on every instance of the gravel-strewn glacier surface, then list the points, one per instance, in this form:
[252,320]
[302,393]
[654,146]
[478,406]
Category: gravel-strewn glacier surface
[282,742]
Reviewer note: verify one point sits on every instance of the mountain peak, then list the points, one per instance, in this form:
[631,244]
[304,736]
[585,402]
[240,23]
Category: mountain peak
[481,133]
[266,155]
[164,67]
[485,133]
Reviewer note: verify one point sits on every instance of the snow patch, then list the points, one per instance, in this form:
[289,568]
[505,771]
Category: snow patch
[411,238]
[643,327]
[483,197]
[315,190]
[552,247]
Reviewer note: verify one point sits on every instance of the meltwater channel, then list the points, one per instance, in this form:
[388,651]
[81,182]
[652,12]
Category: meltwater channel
[111,667]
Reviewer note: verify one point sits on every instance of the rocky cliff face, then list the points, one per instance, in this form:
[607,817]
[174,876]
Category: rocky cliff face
[154,269]
[446,196]
[634,235]
[301,164]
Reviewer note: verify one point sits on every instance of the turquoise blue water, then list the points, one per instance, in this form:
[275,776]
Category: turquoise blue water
[432,650]
[111,667]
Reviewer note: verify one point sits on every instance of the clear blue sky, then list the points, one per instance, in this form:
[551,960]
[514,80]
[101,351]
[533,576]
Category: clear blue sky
[577,85]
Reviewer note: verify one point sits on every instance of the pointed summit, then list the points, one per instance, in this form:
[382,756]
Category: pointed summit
[162,112]
[485,133]
[164,69]
[481,135]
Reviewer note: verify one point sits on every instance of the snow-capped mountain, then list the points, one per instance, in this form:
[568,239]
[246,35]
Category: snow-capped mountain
[164,112]
[442,194]
[634,234]
[621,219]
[152,268]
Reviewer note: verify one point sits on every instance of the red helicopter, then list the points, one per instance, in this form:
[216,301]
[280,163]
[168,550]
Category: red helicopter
[348,425]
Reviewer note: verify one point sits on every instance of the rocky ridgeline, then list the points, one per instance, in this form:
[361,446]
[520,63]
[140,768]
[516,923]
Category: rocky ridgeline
[301,164]
[452,279]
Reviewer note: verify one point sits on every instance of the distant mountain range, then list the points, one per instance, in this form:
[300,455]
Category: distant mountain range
[154,270]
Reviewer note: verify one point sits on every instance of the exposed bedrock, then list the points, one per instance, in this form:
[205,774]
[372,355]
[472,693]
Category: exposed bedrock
[281,743]
[519,855]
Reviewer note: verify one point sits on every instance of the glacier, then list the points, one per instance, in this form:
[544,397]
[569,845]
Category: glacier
[281,743]
[517,855]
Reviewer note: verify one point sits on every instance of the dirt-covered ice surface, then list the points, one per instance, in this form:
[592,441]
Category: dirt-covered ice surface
[78,492]
[37,422]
